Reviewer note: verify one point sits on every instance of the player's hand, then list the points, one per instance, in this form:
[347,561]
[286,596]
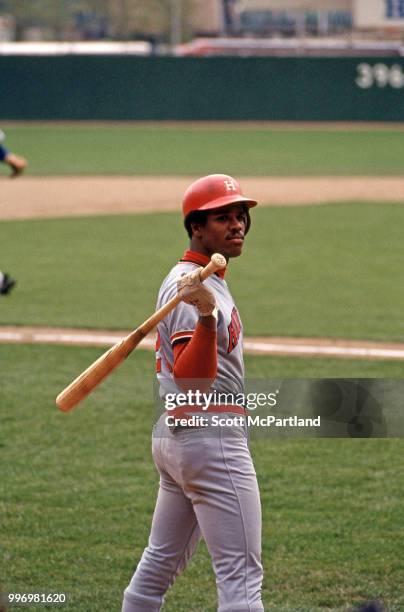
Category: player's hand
[193,292]
[16,163]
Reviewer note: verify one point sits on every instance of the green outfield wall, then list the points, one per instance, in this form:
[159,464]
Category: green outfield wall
[219,88]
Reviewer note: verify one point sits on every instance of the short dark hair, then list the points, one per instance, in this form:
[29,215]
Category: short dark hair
[197,216]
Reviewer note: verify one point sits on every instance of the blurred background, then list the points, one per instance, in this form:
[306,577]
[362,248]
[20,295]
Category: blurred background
[172,22]
[320,59]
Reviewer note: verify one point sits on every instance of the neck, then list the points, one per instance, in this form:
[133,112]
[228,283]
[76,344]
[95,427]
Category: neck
[197,247]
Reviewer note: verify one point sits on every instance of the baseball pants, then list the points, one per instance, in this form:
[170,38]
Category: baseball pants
[208,488]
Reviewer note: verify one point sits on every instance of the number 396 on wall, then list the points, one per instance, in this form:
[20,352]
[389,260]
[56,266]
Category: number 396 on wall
[379,75]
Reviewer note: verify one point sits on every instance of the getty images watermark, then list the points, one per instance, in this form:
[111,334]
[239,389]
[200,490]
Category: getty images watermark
[206,403]
[279,408]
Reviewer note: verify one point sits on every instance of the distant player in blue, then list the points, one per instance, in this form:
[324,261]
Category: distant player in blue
[17,165]
[16,162]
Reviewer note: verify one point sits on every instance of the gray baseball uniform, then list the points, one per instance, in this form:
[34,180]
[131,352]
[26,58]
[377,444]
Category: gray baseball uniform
[208,486]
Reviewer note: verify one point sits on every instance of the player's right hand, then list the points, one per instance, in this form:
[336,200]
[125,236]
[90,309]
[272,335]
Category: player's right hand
[194,292]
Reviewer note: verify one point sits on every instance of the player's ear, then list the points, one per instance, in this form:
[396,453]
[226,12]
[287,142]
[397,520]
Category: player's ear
[196,229]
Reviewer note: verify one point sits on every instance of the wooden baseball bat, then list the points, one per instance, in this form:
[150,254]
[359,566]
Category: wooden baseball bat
[104,365]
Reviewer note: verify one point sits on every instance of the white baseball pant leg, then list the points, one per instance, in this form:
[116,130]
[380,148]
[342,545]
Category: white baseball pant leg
[208,487]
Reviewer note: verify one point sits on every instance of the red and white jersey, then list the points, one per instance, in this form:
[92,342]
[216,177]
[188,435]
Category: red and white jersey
[180,324]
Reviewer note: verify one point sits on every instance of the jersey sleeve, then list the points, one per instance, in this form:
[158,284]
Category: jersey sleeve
[181,321]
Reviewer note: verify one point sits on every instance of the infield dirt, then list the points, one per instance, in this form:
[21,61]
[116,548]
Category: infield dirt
[40,197]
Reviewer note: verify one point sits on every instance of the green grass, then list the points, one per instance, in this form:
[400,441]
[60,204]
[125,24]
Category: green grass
[307,271]
[78,491]
[130,149]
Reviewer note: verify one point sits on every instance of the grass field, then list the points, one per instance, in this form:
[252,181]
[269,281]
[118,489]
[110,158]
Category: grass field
[307,271]
[78,489]
[180,150]
[78,492]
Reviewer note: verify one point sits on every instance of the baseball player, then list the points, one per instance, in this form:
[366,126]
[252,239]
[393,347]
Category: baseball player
[17,165]
[6,283]
[208,486]
[16,162]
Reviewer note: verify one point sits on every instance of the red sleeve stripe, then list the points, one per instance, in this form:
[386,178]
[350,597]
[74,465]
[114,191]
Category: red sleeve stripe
[181,335]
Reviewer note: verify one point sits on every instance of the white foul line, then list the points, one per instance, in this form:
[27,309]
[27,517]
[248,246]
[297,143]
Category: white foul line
[83,339]
[88,338]
[331,350]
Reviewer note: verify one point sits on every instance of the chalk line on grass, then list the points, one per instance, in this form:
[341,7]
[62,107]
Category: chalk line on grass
[297,347]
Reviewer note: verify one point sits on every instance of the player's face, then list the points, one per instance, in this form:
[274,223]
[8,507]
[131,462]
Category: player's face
[224,231]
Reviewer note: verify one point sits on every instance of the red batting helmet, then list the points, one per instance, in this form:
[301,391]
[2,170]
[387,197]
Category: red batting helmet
[214,191]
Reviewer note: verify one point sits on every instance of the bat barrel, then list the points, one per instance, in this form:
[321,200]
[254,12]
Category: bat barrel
[82,386]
